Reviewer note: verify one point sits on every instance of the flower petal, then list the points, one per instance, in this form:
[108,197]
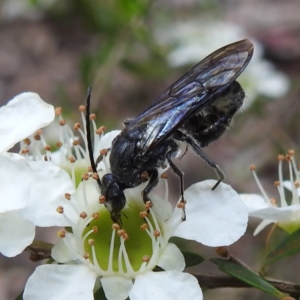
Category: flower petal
[16,178]
[254,202]
[61,252]
[171,259]
[16,234]
[116,288]
[169,285]
[60,282]
[214,217]
[262,226]
[21,117]
[47,193]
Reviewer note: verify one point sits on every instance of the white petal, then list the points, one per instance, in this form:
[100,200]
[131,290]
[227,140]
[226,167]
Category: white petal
[262,226]
[254,201]
[47,193]
[61,253]
[116,288]
[169,285]
[60,282]
[21,117]
[16,178]
[16,234]
[171,259]
[278,214]
[213,217]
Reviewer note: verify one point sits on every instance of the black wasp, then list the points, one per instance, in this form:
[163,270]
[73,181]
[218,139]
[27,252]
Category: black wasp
[196,109]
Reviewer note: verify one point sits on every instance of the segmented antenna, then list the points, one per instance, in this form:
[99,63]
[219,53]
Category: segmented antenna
[88,134]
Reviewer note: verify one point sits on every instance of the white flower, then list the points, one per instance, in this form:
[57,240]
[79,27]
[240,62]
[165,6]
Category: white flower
[23,115]
[193,40]
[122,260]
[285,212]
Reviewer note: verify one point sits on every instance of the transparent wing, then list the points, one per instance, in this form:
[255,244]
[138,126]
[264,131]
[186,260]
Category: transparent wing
[191,92]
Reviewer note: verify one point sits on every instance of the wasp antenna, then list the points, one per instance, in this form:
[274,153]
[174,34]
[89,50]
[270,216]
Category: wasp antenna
[88,133]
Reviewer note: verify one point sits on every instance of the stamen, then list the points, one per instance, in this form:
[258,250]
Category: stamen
[68,196]
[61,233]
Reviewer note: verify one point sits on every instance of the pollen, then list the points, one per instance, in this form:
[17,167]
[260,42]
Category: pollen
[76,126]
[95,216]
[68,196]
[102,199]
[85,176]
[280,157]
[81,108]
[92,117]
[72,159]
[143,214]
[61,234]
[58,111]
[60,209]
[144,226]
[156,233]
[27,141]
[83,215]
[62,122]
[252,167]
[146,258]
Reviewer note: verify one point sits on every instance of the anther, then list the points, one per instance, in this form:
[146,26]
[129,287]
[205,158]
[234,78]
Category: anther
[37,137]
[83,215]
[222,251]
[27,141]
[121,232]
[143,214]
[297,184]
[144,226]
[291,152]
[100,130]
[25,151]
[95,176]
[252,167]
[75,143]
[81,108]
[61,233]
[115,226]
[280,157]
[76,126]
[58,111]
[62,122]
[45,158]
[156,233]
[148,204]
[288,157]
[91,242]
[58,144]
[102,199]
[85,176]
[103,152]
[277,183]
[144,175]
[95,216]
[47,148]
[68,196]
[164,176]
[90,169]
[86,255]
[181,204]
[60,209]
[92,117]
[145,258]
[72,159]
[273,201]
[95,229]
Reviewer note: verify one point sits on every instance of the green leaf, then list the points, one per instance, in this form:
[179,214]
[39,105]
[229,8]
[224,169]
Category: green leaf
[192,259]
[242,273]
[290,246]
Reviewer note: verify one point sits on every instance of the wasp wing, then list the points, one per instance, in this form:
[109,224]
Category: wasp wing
[191,92]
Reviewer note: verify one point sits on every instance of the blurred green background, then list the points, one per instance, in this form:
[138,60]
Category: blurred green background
[130,52]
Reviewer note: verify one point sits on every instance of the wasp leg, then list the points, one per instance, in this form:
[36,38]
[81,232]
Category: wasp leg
[180,175]
[102,154]
[153,181]
[212,164]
